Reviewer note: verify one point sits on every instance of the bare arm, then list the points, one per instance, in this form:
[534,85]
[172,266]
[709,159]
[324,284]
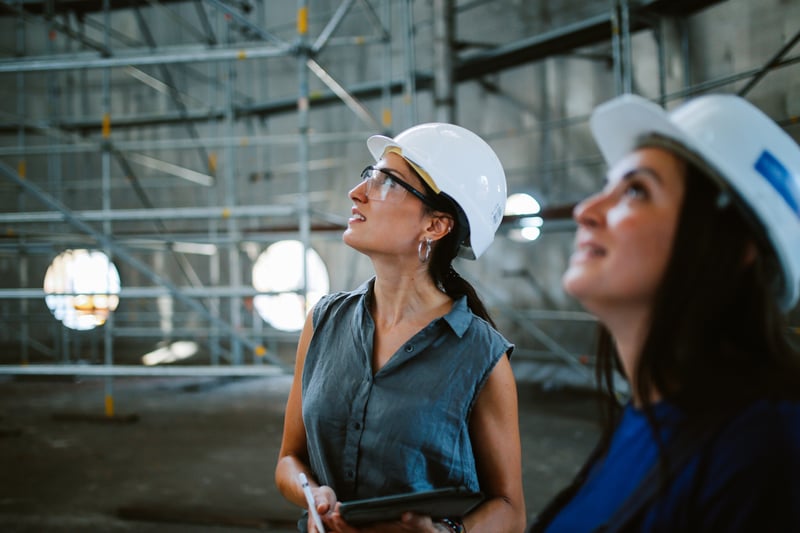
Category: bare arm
[494,427]
[293,455]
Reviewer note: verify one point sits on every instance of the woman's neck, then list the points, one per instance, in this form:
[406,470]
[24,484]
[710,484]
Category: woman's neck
[629,329]
[400,296]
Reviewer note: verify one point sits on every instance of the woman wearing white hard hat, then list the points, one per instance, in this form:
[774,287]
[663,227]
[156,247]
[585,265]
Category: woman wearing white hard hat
[403,385]
[689,257]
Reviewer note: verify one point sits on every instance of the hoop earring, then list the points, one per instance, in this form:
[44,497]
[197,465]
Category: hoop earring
[427,256]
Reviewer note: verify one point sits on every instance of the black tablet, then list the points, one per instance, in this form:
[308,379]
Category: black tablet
[439,503]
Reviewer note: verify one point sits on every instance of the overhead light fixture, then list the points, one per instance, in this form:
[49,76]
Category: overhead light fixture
[525,208]
[522,204]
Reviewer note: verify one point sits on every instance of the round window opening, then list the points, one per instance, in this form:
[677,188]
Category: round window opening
[279,271]
[82,288]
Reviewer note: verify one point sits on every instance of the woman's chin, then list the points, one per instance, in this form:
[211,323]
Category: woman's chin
[574,281]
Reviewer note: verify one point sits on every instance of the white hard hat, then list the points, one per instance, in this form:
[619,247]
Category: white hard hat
[746,148]
[457,162]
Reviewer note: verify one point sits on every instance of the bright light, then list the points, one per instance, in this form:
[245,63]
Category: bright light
[82,288]
[279,269]
[176,351]
[530,233]
[531,222]
[522,204]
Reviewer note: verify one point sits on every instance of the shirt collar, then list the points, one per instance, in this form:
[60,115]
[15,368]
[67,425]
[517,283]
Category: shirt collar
[459,316]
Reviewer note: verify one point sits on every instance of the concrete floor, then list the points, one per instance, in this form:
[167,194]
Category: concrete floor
[197,454]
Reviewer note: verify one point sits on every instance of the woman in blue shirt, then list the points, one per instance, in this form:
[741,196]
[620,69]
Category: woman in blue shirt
[404,385]
[690,257]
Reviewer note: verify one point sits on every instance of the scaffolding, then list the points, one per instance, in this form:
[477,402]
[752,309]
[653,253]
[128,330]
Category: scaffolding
[202,139]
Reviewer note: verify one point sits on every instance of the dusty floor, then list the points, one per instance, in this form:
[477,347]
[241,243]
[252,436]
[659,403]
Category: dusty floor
[197,454]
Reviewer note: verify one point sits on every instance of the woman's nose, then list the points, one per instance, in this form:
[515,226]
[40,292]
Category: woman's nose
[589,212]
[359,192]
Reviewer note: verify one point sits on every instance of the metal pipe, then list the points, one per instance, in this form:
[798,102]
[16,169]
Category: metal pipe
[443,34]
[330,27]
[410,62]
[386,88]
[769,64]
[304,205]
[167,55]
[243,141]
[176,213]
[241,291]
[141,371]
[231,225]
[627,54]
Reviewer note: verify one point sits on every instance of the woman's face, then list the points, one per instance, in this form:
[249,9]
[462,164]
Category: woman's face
[379,221]
[625,233]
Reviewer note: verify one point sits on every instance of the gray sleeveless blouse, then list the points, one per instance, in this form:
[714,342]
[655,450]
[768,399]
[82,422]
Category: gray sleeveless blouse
[406,428]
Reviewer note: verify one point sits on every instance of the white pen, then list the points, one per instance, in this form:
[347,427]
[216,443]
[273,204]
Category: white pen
[312,507]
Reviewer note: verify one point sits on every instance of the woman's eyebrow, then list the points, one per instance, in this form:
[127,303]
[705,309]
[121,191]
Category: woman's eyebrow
[647,171]
[392,172]
[642,170]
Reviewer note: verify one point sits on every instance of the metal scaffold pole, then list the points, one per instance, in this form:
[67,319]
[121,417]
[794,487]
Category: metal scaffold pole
[304,207]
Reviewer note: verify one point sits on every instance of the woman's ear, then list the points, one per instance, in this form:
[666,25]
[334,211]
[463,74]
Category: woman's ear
[440,226]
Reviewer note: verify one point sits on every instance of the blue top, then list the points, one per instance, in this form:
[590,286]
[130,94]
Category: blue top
[405,428]
[746,478]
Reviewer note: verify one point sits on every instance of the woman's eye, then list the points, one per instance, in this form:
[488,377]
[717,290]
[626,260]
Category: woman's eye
[635,190]
[383,179]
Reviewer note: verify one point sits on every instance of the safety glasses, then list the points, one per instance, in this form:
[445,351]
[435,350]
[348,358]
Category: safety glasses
[386,187]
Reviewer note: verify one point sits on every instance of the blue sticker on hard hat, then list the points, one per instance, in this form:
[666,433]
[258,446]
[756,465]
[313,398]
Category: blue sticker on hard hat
[780,179]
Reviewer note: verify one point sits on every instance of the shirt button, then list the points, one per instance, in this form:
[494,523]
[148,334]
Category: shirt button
[357,425]
[409,348]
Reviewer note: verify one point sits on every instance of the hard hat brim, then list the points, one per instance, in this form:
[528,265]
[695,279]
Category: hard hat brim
[619,124]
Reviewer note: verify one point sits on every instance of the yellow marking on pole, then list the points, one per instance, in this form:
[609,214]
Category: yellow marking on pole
[106,125]
[302,20]
[22,168]
[241,55]
[109,405]
[226,213]
[212,162]
[244,141]
[386,117]
[260,351]
[360,39]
